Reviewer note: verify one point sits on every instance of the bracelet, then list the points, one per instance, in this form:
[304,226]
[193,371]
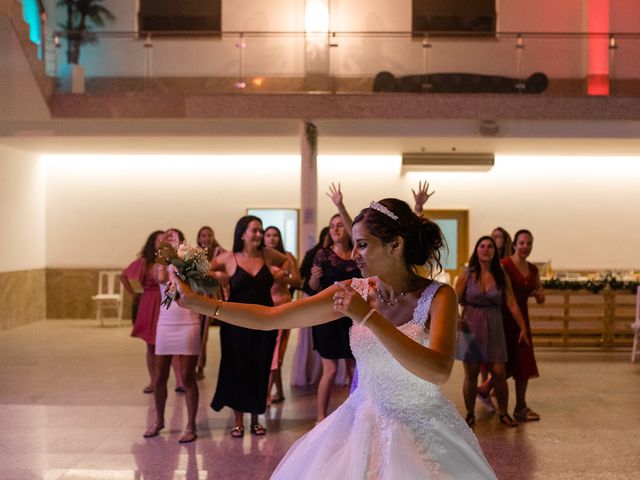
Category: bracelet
[366,317]
[218,305]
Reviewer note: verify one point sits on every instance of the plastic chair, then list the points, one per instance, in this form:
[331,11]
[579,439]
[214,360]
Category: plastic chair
[636,327]
[109,296]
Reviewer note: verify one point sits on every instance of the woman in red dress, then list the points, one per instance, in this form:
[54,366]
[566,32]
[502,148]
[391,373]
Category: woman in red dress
[525,281]
[141,271]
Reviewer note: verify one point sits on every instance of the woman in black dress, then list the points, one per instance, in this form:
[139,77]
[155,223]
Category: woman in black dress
[245,353]
[331,340]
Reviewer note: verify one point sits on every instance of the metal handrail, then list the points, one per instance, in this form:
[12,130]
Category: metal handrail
[350,33]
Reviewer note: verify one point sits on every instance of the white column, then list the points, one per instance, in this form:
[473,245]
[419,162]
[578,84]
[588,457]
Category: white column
[308,186]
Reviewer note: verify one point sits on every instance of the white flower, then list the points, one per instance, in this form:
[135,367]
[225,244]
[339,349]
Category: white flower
[183,251]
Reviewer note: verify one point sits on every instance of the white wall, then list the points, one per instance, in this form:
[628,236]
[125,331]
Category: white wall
[357,56]
[22,243]
[99,211]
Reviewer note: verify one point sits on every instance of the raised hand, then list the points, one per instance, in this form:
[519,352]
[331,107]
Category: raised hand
[335,194]
[421,196]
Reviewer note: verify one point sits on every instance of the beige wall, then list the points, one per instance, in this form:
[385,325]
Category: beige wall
[100,210]
[20,96]
[22,244]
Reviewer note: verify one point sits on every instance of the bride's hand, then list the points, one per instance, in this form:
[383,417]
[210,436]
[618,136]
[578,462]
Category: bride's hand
[346,300]
[182,290]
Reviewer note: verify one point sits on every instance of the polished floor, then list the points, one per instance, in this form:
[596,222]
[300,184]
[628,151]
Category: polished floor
[71,407]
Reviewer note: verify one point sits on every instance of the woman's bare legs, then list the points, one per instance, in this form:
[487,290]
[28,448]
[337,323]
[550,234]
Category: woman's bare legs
[329,369]
[188,364]
[498,373]
[151,357]
[175,365]
[470,389]
[160,378]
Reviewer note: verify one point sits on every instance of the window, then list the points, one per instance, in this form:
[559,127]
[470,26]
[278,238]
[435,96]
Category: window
[465,16]
[286,219]
[180,16]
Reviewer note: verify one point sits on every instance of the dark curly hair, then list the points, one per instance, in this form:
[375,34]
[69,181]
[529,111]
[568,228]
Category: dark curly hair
[424,242]
[148,252]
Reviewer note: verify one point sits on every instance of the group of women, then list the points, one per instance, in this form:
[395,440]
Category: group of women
[257,270]
[494,330]
[403,328]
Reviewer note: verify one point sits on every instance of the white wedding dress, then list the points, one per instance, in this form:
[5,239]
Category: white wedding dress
[394,426]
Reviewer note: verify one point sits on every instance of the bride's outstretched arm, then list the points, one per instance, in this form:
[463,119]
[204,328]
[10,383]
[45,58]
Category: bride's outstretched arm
[301,313]
[433,363]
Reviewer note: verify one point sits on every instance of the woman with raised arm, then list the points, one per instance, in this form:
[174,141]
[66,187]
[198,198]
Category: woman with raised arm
[246,352]
[397,423]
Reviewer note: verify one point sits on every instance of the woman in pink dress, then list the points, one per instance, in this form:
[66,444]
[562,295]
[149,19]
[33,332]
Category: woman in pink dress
[525,280]
[141,272]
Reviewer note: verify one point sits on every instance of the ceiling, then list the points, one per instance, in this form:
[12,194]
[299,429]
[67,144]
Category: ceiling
[362,137]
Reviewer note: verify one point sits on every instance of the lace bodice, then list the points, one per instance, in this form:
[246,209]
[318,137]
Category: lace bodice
[394,425]
[394,391]
[378,371]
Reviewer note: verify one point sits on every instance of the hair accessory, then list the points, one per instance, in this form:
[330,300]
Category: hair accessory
[384,210]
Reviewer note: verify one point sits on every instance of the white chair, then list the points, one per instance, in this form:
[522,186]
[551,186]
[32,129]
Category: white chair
[636,327]
[109,296]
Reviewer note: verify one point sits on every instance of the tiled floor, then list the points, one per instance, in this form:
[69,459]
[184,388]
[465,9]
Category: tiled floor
[71,407]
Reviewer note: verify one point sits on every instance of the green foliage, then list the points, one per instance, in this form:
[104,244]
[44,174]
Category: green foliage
[594,286]
[81,16]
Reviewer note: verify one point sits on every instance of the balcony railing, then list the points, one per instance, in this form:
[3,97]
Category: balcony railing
[351,62]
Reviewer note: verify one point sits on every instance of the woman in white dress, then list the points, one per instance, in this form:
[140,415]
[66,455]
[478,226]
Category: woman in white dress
[397,424]
[178,341]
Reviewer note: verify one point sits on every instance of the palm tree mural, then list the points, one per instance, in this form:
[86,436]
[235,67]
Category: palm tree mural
[81,16]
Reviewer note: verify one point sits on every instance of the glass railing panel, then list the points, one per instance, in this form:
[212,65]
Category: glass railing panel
[625,65]
[343,62]
[271,63]
[563,59]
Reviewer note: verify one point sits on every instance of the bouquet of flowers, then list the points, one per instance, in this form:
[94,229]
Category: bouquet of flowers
[192,267]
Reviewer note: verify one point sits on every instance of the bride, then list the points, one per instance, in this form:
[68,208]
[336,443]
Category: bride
[397,424]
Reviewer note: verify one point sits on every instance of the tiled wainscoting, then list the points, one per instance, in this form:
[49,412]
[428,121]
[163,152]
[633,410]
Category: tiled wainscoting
[55,293]
[22,297]
[69,293]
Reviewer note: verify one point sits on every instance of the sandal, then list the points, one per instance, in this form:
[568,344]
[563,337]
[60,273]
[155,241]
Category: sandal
[526,415]
[277,399]
[189,435]
[237,432]
[148,389]
[506,419]
[258,430]
[153,431]
[470,419]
